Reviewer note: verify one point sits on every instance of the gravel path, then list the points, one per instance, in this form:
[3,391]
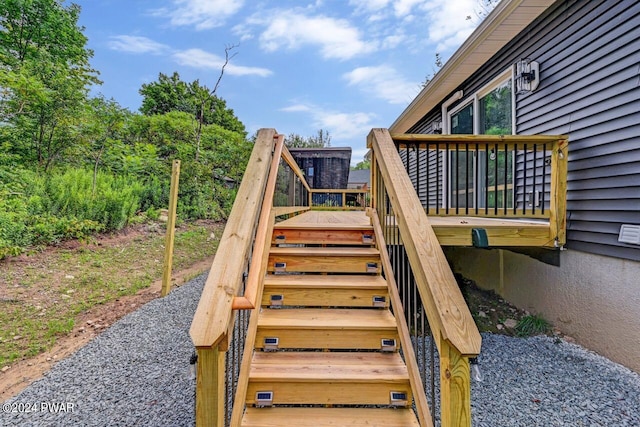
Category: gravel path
[136,373]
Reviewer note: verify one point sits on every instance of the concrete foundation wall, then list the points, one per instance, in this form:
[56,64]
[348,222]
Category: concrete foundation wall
[593,298]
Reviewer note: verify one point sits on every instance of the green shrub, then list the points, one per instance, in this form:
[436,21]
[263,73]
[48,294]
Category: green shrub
[532,324]
[110,201]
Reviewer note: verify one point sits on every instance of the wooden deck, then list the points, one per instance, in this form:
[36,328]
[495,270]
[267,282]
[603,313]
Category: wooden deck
[450,230]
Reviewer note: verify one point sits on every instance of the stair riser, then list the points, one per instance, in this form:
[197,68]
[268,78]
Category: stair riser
[324,297]
[325,393]
[325,338]
[329,417]
[324,264]
[322,237]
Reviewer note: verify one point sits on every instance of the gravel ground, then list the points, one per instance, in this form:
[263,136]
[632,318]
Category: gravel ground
[136,373]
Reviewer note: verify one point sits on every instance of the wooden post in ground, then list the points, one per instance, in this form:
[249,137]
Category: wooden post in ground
[455,387]
[210,387]
[171,229]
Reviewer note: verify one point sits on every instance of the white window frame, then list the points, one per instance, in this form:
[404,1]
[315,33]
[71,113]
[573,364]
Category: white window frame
[474,99]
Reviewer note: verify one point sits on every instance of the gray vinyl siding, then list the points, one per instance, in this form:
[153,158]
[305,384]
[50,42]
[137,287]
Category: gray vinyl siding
[589,55]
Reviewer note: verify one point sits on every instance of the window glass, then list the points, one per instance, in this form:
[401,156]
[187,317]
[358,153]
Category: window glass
[462,121]
[495,111]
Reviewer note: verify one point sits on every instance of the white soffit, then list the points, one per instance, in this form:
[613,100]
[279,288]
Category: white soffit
[506,20]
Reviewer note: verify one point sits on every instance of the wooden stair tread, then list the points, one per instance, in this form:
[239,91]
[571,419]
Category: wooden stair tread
[321,226]
[330,367]
[329,417]
[331,251]
[314,318]
[325,281]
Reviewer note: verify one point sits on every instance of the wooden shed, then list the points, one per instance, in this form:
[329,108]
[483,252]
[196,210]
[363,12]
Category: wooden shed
[324,167]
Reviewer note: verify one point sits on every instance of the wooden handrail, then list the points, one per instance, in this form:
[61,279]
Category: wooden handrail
[263,235]
[480,139]
[214,313]
[422,407]
[339,190]
[448,313]
[288,158]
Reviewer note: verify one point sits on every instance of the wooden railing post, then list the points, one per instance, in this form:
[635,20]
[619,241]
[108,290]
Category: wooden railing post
[210,387]
[455,387]
[558,203]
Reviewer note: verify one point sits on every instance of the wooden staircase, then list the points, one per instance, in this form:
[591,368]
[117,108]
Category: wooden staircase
[326,349]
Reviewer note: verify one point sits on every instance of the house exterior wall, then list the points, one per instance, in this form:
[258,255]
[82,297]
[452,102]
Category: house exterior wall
[592,298]
[589,90]
[588,53]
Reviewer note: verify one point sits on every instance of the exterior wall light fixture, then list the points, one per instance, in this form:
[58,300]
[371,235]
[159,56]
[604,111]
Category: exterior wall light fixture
[527,75]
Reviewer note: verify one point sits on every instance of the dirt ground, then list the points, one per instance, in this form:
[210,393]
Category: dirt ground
[88,324]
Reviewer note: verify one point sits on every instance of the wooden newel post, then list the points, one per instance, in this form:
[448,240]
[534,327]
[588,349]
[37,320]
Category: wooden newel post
[210,387]
[171,229]
[455,387]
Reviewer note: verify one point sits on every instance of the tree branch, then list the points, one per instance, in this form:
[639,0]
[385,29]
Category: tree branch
[227,50]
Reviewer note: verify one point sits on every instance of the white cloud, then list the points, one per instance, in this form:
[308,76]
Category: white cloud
[448,26]
[337,38]
[136,44]
[296,108]
[404,7]
[340,125]
[383,82]
[198,58]
[369,5]
[202,14]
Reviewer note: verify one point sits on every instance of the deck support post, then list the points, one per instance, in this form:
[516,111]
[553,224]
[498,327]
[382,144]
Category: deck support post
[210,387]
[455,387]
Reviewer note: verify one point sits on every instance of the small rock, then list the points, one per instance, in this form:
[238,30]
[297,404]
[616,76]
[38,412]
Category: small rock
[5,369]
[71,291]
[499,326]
[17,337]
[90,322]
[81,329]
[510,323]
[569,339]
[65,296]
[482,314]
[69,277]
[29,364]
[48,359]
[212,236]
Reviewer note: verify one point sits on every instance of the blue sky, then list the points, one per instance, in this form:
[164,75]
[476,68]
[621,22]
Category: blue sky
[343,66]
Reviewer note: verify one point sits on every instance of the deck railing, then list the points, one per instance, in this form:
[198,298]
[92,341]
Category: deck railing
[431,300]
[221,327]
[339,199]
[512,176]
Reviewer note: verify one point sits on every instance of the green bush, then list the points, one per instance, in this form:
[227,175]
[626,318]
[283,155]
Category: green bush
[110,200]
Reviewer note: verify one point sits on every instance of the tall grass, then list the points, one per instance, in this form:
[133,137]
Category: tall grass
[41,210]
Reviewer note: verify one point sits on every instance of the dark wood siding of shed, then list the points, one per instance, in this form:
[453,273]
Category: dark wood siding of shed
[589,55]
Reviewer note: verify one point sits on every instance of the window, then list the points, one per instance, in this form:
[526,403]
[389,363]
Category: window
[483,177]
[495,111]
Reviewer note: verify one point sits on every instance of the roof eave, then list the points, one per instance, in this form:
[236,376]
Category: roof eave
[487,39]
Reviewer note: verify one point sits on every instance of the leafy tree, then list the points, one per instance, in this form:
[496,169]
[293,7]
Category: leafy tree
[45,76]
[103,126]
[363,165]
[170,93]
[320,140]
[437,65]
